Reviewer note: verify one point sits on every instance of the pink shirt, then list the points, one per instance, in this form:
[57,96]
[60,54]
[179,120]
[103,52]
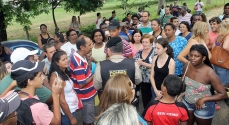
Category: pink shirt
[212,37]
[134,50]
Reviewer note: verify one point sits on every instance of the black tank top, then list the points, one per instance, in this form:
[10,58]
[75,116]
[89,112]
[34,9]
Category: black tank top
[4,56]
[43,40]
[161,73]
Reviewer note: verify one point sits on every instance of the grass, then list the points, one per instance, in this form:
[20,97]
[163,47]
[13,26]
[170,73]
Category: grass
[15,31]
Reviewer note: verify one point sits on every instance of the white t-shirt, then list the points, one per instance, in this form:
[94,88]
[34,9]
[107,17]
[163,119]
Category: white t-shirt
[69,48]
[99,22]
[198,5]
[177,32]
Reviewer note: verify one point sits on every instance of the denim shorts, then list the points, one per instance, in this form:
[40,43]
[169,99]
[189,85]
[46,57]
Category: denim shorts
[207,112]
[65,120]
[223,74]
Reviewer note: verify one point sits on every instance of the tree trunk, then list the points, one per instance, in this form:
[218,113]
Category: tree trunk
[208,2]
[54,19]
[160,3]
[3,34]
[27,32]
[79,19]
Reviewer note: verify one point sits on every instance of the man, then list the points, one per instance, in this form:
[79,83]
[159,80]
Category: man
[174,21]
[161,11]
[145,26]
[98,21]
[175,9]
[167,111]
[127,18]
[199,5]
[125,32]
[70,46]
[166,18]
[215,28]
[225,11]
[184,16]
[114,30]
[113,16]
[82,78]
[136,21]
[43,93]
[117,64]
[49,50]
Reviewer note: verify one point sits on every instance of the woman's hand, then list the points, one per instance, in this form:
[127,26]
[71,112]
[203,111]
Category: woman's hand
[74,121]
[200,104]
[139,62]
[158,93]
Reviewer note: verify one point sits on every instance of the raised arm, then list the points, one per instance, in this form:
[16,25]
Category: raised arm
[185,52]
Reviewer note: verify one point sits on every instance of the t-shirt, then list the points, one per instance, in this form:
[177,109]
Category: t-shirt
[145,29]
[69,48]
[160,113]
[186,18]
[41,113]
[98,54]
[178,45]
[134,50]
[187,37]
[125,36]
[212,37]
[165,19]
[98,23]
[177,32]
[80,72]
[199,4]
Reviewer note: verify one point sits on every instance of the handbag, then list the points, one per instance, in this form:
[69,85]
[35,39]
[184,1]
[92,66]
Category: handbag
[181,95]
[195,7]
[220,57]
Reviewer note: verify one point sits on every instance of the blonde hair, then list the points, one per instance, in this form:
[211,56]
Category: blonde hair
[150,37]
[199,30]
[117,90]
[223,29]
[119,114]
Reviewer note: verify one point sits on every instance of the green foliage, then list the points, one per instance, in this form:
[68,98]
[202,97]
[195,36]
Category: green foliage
[87,31]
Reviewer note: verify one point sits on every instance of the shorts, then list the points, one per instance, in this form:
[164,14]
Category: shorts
[223,75]
[65,120]
[205,113]
[88,111]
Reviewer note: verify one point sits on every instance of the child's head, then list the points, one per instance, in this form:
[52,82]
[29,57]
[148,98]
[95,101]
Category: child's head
[172,85]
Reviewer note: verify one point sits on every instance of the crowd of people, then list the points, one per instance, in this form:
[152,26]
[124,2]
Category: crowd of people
[159,59]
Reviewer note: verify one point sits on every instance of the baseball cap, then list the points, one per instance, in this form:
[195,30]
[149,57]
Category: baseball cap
[23,68]
[21,53]
[8,105]
[113,24]
[114,41]
[182,7]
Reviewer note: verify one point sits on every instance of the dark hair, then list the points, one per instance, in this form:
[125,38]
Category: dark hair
[227,4]
[43,25]
[80,42]
[51,40]
[60,36]
[225,16]
[117,49]
[106,20]
[165,43]
[47,45]
[98,14]
[215,19]
[128,14]
[135,15]
[135,31]
[93,34]
[173,84]
[147,12]
[24,81]
[69,31]
[113,11]
[186,24]
[184,4]
[204,18]
[192,17]
[55,68]
[167,7]
[173,18]
[203,51]
[73,17]
[170,24]
[157,20]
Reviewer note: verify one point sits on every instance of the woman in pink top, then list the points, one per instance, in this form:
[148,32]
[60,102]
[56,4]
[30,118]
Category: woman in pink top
[136,41]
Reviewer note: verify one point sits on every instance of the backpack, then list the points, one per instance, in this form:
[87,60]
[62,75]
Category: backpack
[24,114]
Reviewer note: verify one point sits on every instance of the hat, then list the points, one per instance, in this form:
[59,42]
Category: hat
[23,68]
[21,53]
[113,24]
[114,42]
[8,105]
[182,7]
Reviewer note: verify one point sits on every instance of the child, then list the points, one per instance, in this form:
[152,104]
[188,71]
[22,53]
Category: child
[167,111]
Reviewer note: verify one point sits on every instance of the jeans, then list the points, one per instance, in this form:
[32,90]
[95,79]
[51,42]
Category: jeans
[153,93]
[65,120]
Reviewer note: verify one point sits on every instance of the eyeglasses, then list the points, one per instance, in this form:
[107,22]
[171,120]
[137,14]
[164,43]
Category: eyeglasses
[134,87]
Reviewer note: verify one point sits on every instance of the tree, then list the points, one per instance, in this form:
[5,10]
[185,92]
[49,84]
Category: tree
[160,3]
[21,11]
[81,6]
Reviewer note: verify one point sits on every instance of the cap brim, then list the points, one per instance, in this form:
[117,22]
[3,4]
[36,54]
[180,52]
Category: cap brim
[14,102]
[40,67]
[112,27]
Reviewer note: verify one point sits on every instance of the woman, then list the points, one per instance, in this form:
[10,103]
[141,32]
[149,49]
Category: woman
[68,98]
[157,32]
[5,69]
[162,65]
[223,73]
[203,18]
[98,39]
[144,59]
[43,37]
[59,40]
[185,30]
[199,78]
[135,44]
[75,25]
[194,18]
[199,36]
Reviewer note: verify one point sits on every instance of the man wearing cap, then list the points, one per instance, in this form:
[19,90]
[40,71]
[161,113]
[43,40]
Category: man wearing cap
[82,78]
[49,50]
[145,26]
[117,64]
[8,83]
[114,30]
[184,16]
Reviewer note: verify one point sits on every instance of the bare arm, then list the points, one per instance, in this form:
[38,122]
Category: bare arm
[226,44]
[185,51]
[183,123]
[39,42]
[8,50]
[171,66]
[12,85]
[152,74]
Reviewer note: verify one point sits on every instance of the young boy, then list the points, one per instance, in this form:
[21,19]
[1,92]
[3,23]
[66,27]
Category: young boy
[167,111]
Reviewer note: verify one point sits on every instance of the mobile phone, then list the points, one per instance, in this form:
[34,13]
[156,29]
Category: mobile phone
[106,32]
[57,77]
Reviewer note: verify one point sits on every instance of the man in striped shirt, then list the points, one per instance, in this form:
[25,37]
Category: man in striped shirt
[83,78]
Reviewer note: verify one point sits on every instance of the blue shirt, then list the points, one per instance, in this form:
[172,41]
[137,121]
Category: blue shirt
[178,45]
[187,37]
[125,36]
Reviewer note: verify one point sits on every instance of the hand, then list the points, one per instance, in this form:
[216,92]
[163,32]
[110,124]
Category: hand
[74,121]
[139,62]
[158,93]
[200,103]
[57,86]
